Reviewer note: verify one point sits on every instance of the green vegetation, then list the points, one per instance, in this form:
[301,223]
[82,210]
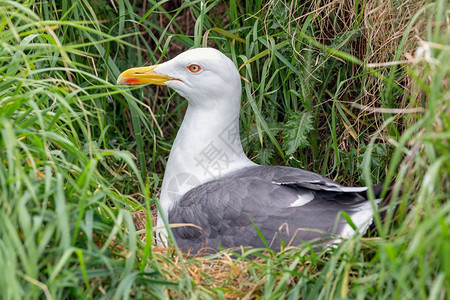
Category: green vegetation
[81,159]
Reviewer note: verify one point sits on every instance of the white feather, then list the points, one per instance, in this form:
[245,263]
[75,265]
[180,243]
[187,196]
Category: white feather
[303,198]
[362,220]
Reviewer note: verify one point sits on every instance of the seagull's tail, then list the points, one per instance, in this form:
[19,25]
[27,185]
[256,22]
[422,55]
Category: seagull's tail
[363,217]
[378,191]
[384,201]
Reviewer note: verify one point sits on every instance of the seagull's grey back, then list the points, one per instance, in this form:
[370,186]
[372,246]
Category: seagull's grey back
[284,203]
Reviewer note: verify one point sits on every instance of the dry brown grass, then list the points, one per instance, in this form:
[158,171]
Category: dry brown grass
[384,26]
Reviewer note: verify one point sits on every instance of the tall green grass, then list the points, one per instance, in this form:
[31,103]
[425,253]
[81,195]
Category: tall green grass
[79,156]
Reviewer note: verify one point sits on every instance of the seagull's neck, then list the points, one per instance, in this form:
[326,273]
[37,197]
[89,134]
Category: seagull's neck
[207,147]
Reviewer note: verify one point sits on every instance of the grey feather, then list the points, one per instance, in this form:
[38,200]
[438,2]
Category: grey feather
[227,209]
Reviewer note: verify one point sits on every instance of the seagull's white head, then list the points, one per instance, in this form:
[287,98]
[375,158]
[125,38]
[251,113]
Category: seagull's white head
[204,76]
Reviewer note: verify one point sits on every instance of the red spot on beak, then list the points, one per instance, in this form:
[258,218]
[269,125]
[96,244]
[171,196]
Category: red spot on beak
[131,81]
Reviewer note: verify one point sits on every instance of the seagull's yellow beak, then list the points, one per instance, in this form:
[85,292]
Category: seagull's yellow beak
[143,75]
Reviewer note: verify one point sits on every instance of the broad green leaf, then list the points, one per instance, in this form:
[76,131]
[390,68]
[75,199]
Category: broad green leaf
[296,132]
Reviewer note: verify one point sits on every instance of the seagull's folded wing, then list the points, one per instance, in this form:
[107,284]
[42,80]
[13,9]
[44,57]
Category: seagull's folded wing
[250,206]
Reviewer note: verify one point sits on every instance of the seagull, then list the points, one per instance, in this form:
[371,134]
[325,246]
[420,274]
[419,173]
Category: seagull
[217,196]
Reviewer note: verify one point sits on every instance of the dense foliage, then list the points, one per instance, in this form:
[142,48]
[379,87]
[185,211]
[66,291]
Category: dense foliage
[81,159]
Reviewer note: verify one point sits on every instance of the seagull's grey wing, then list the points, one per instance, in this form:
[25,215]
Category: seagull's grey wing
[310,180]
[220,208]
[228,210]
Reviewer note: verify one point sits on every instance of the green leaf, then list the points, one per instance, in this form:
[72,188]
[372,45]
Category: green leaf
[265,155]
[296,131]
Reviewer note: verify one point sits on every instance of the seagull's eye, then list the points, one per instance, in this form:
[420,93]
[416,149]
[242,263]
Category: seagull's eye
[194,68]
